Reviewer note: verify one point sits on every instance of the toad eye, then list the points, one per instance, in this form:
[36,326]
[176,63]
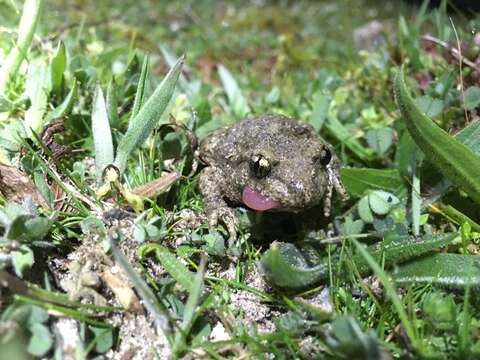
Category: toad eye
[325,156]
[259,166]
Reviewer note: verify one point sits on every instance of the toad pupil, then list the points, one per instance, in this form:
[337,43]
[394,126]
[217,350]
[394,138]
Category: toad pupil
[259,166]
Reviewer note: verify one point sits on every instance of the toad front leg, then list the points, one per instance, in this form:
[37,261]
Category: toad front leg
[215,205]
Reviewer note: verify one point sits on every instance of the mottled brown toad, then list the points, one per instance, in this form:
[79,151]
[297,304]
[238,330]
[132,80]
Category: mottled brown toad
[269,162]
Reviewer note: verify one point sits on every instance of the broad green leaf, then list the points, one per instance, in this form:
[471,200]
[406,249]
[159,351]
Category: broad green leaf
[320,110]
[453,270]
[13,209]
[430,106]
[26,30]
[12,135]
[358,180]
[214,243]
[44,189]
[37,88]
[472,97]
[37,315]
[236,100]
[440,310]
[139,233]
[470,136]
[22,259]
[346,340]
[102,136]
[17,228]
[170,263]
[148,117]
[381,201]
[455,160]
[57,68]
[37,228]
[380,140]
[103,338]
[66,106]
[41,340]
[351,227]
[364,210]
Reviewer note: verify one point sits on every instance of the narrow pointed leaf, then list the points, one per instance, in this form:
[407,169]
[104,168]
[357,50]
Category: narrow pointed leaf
[452,158]
[112,103]
[148,117]
[403,250]
[57,67]
[453,270]
[140,94]
[66,106]
[102,136]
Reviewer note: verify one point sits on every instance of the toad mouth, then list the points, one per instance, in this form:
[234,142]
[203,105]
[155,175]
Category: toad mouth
[256,201]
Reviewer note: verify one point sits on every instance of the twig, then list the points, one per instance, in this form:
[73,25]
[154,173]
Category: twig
[452,50]
[462,90]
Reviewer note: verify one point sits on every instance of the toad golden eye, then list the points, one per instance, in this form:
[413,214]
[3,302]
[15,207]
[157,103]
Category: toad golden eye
[259,166]
[325,156]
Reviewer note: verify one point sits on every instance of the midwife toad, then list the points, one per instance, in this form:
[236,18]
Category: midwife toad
[269,162]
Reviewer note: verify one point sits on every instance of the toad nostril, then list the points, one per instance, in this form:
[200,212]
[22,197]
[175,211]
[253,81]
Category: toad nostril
[325,156]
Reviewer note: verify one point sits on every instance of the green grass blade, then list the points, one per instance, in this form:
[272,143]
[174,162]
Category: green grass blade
[455,160]
[390,291]
[235,97]
[150,301]
[196,288]
[26,30]
[147,118]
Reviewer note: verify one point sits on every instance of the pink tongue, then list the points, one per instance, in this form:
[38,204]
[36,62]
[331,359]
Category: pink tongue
[257,201]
